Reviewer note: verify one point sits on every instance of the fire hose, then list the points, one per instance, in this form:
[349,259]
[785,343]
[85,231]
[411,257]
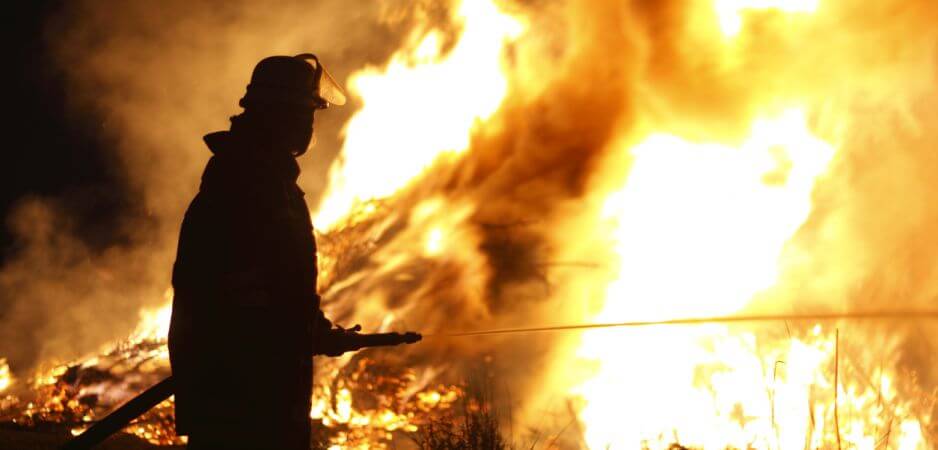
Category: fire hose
[159,392]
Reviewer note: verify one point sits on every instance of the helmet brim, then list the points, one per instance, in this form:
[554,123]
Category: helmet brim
[329,89]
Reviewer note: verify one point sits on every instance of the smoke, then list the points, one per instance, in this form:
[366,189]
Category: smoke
[58,287]
[158,79]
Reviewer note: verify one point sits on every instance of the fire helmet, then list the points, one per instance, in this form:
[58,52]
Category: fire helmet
[299,80]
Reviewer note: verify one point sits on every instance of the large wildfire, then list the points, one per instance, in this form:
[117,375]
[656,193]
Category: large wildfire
[519,164]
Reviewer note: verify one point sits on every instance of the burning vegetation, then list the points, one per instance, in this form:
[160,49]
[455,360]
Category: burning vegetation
[517,164]
[360,401]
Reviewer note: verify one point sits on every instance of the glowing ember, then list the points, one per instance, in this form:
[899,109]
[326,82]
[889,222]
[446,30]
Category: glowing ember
[367,406]
[85,391]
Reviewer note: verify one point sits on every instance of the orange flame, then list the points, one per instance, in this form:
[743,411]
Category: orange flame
[421,107]
[6,379]
[701,228]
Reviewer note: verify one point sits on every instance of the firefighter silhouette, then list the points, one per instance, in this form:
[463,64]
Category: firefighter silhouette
[246,316]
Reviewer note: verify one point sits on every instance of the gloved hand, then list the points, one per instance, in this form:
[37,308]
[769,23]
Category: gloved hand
[338,340]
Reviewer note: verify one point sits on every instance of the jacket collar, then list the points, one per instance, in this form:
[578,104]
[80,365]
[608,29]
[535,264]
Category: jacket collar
[234,152]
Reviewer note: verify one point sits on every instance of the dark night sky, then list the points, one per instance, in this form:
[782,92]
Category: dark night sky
[52,150]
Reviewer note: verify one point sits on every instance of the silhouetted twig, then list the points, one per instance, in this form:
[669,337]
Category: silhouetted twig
[836,380]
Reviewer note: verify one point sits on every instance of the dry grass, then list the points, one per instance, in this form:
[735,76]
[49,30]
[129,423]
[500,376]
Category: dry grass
[475,430]
[475,427]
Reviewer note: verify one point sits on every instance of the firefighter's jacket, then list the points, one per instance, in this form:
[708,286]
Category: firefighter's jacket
[245,311]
